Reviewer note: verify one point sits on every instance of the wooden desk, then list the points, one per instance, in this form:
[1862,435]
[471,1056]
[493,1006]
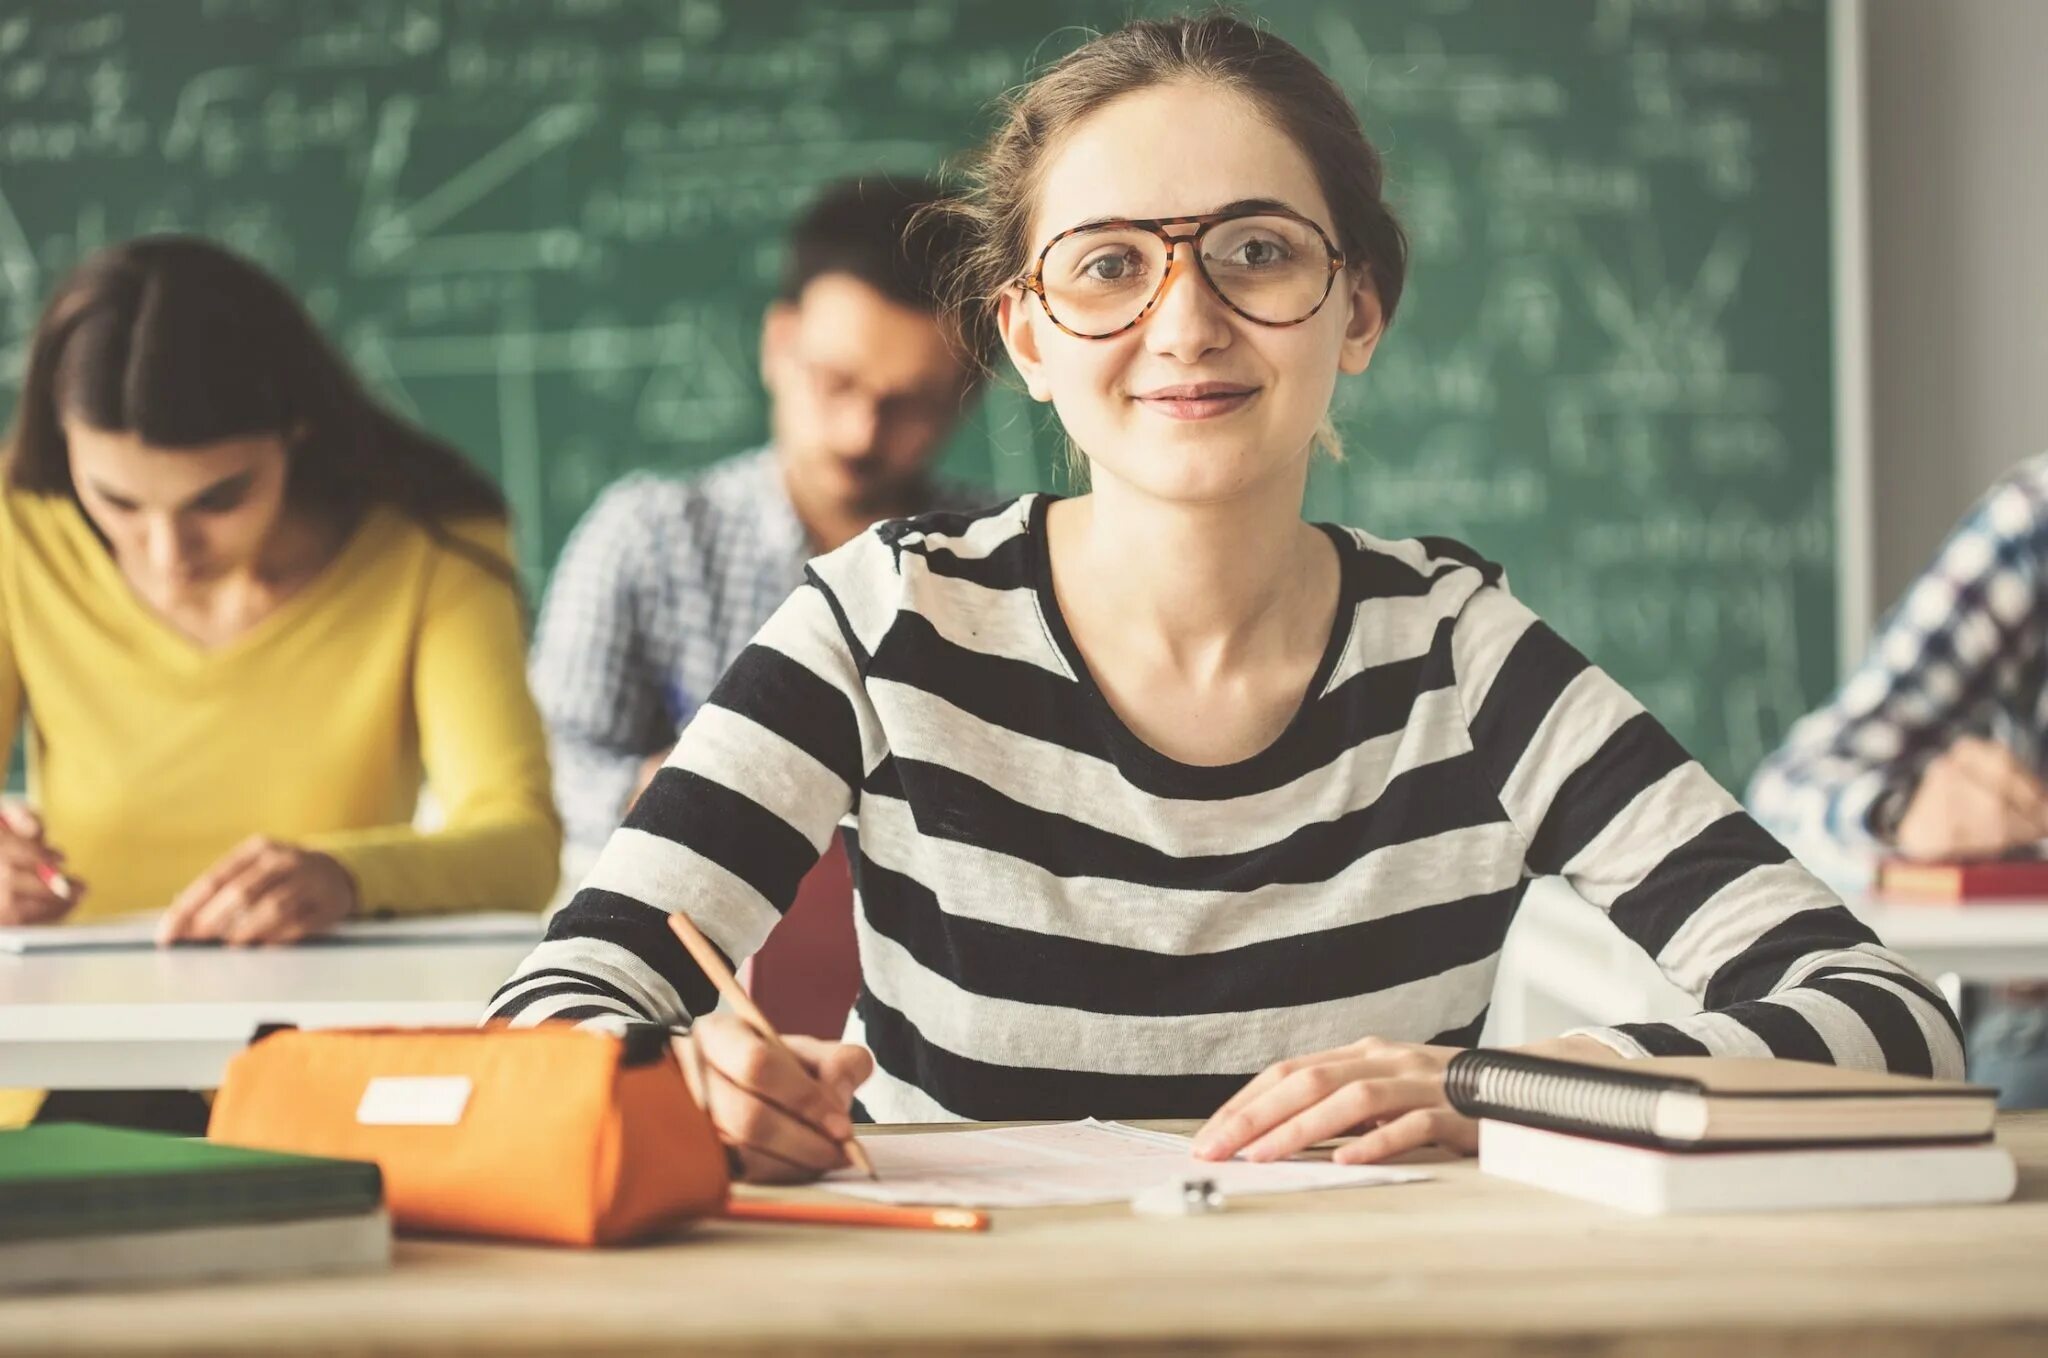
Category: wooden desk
[1463,1266]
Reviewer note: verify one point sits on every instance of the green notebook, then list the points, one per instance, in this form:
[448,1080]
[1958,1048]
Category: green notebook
[70,1179]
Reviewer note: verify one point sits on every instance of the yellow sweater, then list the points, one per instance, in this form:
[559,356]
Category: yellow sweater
[151,756]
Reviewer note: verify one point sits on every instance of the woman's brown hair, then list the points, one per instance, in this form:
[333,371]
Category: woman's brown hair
[1217,48]
[182,343]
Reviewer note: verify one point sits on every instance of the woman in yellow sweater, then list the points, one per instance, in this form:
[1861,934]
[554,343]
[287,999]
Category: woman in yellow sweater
[247,613]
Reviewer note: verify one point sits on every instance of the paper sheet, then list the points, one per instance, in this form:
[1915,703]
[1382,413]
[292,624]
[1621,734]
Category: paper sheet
[1070,1163]
[139,931]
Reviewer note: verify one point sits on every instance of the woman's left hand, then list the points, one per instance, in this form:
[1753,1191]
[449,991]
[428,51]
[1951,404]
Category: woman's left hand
[262,892]
[1393,1091]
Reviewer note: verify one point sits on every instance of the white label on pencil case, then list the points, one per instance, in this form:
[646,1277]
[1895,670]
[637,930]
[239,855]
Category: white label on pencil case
[414,1101]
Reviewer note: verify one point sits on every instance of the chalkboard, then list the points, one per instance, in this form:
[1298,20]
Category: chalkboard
[547,228]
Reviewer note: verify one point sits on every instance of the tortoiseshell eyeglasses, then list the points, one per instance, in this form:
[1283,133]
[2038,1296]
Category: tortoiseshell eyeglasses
[1267,264]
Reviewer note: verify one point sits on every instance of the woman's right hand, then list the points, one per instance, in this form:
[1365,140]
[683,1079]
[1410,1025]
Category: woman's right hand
[25,898]
[787,1120]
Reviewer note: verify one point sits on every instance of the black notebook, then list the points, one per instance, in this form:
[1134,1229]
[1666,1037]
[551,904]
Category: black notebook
[1718,1103]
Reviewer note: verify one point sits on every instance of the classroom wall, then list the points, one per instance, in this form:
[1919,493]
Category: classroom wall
[1958,110]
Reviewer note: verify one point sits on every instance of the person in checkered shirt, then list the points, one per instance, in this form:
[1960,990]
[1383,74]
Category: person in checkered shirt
[1934,747]
[667,578]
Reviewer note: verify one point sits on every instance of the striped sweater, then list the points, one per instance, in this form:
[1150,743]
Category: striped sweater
[1055,920]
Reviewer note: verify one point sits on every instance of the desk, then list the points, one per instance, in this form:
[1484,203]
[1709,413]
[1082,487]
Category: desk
[1566,965]
[1463,1265]
[2001,942]
[171,1018]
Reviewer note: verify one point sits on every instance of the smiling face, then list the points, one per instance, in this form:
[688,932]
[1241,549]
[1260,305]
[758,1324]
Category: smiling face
[1198,403]
[179,518]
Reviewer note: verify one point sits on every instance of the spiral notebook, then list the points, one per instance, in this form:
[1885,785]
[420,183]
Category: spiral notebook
[1717,1103]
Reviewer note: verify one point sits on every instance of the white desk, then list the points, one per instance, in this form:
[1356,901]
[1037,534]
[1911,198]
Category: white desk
[148,1019]
[1566,966]
[2007,941]
[2000,942]
[171,1018]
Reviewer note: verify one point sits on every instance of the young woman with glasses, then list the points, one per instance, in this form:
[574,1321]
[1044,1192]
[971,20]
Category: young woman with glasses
[1161,800]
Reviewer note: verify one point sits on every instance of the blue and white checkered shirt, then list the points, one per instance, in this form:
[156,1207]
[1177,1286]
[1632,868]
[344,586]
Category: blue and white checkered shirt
[662,584]
[1962,654]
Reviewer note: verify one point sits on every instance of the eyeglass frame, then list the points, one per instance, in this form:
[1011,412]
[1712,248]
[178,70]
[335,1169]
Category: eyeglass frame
[1034,280]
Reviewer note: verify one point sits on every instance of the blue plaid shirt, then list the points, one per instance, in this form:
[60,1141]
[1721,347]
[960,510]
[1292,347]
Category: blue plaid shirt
[1961,654]
[661,586]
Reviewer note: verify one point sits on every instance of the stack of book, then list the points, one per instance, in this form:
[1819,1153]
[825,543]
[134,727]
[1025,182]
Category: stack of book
[1700,1134]
[2020,877]
[84,1206]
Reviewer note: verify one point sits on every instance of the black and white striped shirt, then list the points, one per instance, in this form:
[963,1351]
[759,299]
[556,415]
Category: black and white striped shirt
[662,585]
[1055,920]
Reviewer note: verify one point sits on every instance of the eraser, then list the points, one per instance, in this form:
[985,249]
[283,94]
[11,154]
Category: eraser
[1187,1196]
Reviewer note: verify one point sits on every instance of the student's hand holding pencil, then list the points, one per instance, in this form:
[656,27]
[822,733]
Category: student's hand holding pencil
[34,888]
[785,1111]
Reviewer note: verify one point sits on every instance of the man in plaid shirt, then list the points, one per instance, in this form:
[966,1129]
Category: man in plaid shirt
[667,578]
[1934,746]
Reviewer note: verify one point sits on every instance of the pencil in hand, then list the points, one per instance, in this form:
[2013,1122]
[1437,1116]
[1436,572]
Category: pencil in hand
[60,885]
[713,966]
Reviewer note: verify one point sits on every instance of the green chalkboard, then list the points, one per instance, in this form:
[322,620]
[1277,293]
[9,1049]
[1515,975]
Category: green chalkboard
[547,228]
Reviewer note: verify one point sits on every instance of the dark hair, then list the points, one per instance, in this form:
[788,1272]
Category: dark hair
[879,231]
[182,343]
[994,213]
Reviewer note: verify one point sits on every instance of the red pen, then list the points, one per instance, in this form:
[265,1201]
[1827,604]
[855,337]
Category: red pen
[56,881]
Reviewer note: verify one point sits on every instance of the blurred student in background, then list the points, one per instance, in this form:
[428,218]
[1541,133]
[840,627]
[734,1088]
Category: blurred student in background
[667,578]
[1934,747]
[247,612]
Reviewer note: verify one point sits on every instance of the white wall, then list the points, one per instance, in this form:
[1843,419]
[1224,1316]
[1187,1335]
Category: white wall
[1958,122]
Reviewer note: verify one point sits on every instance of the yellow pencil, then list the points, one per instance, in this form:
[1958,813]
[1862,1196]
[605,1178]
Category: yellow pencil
[856,1214]
[713,966]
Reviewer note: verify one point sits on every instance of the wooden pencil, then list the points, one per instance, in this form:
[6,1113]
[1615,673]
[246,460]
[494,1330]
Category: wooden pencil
[856,1214]
[713,965]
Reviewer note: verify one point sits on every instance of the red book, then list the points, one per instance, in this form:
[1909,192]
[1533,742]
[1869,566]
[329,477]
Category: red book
[1986,880]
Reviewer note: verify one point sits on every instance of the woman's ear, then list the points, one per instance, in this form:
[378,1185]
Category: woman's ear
[778,338]
[1013,322]
[1366,324]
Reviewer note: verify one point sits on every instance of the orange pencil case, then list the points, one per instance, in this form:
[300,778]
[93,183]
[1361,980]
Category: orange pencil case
[552,1133]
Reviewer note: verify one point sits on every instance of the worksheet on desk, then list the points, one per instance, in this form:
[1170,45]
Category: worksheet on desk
[1069,1163]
